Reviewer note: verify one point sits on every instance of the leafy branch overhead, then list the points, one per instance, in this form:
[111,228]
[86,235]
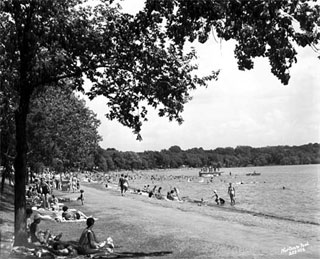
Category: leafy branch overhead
[271,29]
[126,62]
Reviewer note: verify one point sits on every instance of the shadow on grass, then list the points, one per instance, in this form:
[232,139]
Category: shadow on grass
[7,199]
[135,254]
[107,256]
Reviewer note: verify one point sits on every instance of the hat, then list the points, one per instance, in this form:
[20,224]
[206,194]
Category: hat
[37,216]
[214,191]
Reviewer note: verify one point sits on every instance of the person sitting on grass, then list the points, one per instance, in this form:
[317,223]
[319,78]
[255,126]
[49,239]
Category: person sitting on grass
[88,243]
[54,202]
[39,237]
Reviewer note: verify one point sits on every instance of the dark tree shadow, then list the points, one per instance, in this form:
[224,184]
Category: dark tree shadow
[7,199]
[134,254]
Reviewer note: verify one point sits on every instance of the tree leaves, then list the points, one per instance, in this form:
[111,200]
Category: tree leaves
[269,29]
[124,56]
[61,128]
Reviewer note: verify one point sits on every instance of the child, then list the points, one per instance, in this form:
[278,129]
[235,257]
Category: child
[218,199]
[81,197]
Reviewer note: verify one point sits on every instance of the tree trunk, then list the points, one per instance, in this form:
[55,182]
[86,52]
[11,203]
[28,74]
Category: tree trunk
[20,165]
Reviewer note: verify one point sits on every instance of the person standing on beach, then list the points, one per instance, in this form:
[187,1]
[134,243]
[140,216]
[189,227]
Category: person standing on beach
[45,191]
[125,184]
[81,197]
[121,183]
[232,194]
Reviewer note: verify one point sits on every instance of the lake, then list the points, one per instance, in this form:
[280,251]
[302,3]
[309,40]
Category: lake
[286,192]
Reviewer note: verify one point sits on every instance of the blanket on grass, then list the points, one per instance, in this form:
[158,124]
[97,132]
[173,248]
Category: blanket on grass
[70,250]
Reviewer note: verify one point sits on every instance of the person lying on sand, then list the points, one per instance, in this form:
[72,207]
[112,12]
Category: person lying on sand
[63,249]
[72,214]
[88,243]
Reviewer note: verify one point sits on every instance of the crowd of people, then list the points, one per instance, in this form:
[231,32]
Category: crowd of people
[40,190]
[87,244]
[40,195]
[156,191]
[153,189]
[42,204]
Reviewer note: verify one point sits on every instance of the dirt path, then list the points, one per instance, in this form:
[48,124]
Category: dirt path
[144,229]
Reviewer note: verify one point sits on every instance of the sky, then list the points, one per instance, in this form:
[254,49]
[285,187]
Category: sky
[250,108]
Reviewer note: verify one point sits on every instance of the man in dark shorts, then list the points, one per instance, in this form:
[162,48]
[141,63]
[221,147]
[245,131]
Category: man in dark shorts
[45,191]
[125,184]
[121,184]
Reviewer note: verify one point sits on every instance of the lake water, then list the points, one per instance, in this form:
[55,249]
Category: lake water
[264,194]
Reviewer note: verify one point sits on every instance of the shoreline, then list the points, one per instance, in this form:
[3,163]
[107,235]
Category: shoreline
[284,233]
[114,187]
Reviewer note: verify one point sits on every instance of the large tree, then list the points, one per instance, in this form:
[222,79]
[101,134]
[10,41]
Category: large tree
[43,43]
[7,129]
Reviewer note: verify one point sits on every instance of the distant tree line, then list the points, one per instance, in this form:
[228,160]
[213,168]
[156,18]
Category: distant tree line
[175,157]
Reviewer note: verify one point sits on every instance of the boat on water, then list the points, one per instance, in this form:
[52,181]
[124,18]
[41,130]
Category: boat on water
[253,174]
[210,174]
[210,171]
